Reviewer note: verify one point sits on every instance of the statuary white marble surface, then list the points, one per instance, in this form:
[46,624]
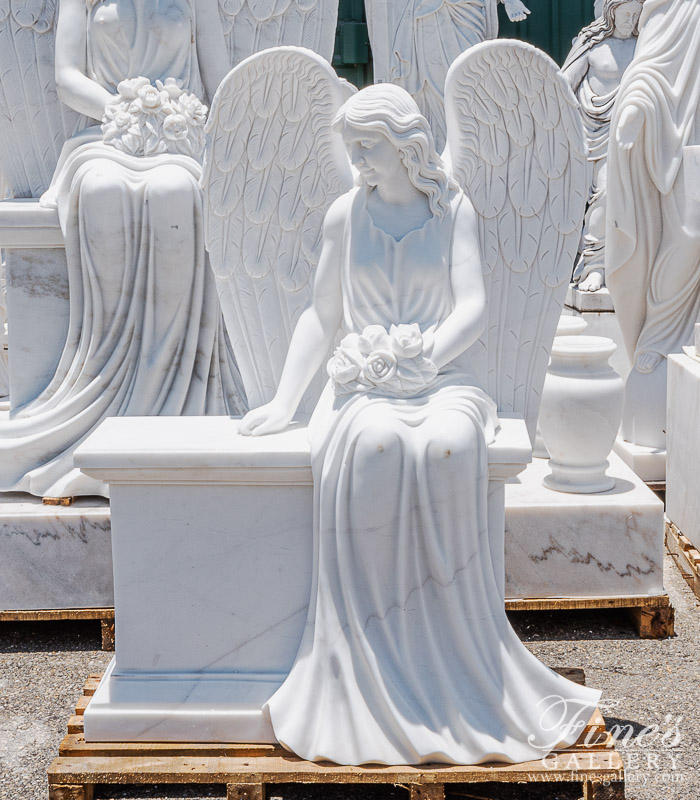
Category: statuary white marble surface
[4,375]
[652,246]
[567,545]
[580,413]
[414,43]
[586,306]
[145,332]
[649,463]
[682,467]
[195,505]
[399,445]
[264,253]
[598,301]
[594,68]
[52,556]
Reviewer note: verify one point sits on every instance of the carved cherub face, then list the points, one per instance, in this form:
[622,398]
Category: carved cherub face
[374,156]
[626,18]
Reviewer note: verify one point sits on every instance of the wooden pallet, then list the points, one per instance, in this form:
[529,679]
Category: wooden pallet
[247,769]
[105,615]
[653,617]
[686,556]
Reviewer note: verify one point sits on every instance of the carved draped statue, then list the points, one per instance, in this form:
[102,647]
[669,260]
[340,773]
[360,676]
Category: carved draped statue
[594,68]
[652,237]
[399,435]
[146,334]
[415,41]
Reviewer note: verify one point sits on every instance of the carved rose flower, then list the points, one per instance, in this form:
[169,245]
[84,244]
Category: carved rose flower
[380,366]
[129,89]
[171,87]
[406,340]
[344,366]
[152,99]
[175,127]
[373,337]
[193,109]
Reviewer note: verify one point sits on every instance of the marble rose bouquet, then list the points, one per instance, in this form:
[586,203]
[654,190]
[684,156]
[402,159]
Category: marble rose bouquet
[145,119]
[391,362]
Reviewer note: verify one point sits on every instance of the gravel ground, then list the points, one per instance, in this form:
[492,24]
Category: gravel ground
[646,683]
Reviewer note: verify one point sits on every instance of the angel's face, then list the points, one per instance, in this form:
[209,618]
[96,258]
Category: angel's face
[372,154]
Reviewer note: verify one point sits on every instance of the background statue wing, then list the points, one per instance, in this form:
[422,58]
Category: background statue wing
[273,168]
[254,25]
[34,123]
[516,146]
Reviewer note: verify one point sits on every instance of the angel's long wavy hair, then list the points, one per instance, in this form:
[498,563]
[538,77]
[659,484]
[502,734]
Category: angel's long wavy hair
[604,26]
[391,111]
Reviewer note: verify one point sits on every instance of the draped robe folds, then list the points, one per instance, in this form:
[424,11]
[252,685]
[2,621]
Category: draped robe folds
[596,112]
[145,332]
[652,257]
[407,656]
[425,37]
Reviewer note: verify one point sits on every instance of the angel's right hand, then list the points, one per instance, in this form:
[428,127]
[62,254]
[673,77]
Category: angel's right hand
[270,418]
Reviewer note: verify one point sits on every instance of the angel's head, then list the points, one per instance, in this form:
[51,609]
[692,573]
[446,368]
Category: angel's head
[387,118]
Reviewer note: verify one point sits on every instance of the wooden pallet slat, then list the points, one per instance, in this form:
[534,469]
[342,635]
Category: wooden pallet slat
[686,556]
[246,769]
[104,615]
[653,616]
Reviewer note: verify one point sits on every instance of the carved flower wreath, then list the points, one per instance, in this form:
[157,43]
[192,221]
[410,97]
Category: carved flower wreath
[144,119]
[384,362]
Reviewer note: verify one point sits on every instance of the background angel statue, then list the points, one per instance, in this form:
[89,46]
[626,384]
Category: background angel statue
[146,334]
[652,240]
[594,68]
[399,438]
[415,41]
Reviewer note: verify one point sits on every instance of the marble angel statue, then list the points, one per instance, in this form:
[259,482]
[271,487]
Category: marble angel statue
[146,334]
[407,655]
[652,257]
[594,68]
[415,41]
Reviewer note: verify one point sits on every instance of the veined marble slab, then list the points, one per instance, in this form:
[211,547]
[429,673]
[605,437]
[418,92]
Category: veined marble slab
[54,556]
[683,438]
[578,545]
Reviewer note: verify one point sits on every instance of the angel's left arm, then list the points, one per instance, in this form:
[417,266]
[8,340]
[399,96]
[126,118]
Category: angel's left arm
[211,46]
[465,323]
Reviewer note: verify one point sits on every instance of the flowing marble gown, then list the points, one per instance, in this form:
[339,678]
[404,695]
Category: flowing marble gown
[407,655]
[145,333]
[652,252]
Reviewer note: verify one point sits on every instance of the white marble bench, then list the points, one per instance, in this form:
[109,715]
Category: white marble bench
[212,550]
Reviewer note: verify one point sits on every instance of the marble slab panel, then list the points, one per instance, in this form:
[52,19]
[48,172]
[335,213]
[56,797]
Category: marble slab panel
[649,463]
[574,545]
[37,318]
[53,556]
[683,440]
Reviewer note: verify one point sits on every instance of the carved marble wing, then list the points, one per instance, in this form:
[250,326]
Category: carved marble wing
[272,169]
[254,25]
[516,146]
[34,123]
